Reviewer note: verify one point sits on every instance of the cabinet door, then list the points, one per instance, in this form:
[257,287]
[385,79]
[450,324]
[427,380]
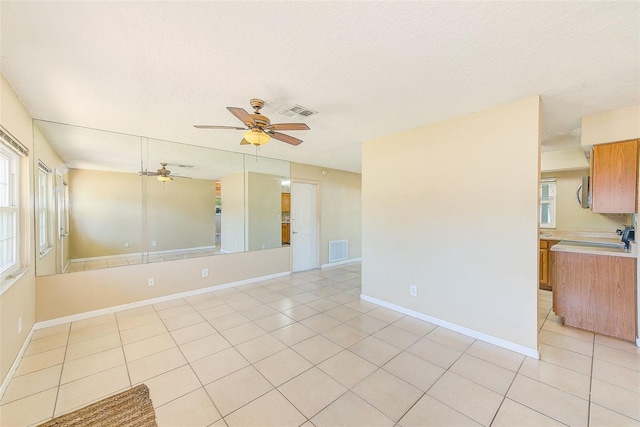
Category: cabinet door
[614,177]
[285,233]
[286,202]
[596,293]
[573,296]
[544,269]
[615,295]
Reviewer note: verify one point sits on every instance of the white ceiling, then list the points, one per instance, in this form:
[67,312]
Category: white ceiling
[369,68]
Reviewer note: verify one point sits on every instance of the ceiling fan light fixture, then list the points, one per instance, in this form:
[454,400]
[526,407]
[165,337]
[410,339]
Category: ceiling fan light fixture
[256,137]
[164,178]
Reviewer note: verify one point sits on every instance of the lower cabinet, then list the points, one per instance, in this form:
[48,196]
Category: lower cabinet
[286,228]
[546,255]
[596,293]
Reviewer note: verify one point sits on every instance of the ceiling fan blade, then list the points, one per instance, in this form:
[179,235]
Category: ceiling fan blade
[147,173]
[244,142]
[217,127]
[288,126]
[241,114]
[285,138]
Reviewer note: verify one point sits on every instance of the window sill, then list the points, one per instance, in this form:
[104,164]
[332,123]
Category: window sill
[9,281]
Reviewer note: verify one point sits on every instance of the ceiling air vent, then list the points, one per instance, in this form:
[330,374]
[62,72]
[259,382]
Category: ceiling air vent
[298,110]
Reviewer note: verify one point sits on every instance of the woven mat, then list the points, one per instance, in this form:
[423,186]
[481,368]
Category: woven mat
[129,408]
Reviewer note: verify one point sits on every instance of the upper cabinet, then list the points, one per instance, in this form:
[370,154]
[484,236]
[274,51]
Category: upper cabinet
[614,177]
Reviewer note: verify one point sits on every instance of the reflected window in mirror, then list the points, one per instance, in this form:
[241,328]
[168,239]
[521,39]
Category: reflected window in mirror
[63,208]
[548,203]
[45,200]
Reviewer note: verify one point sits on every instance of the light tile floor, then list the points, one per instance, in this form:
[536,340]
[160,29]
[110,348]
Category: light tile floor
[305,350]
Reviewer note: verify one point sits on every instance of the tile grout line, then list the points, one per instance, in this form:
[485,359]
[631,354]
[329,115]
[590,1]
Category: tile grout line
[593,354]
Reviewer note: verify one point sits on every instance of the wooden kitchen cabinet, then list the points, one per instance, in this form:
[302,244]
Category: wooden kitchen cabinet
[614,177]
[286,232]
[286,202]
[596,293]
[546,255]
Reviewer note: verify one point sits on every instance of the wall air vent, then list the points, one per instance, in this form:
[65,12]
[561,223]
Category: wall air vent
[298,110]
[338,250]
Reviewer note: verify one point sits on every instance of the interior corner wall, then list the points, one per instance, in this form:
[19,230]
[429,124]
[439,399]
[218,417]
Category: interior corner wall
[452,208]
[19,300]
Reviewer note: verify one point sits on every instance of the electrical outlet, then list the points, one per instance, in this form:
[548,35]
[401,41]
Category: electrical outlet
[20,324]
[205,272]
[413,291]
[126,244]
[154,243]
[150,281]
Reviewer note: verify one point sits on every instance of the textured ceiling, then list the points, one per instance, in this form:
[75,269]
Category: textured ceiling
[369,68]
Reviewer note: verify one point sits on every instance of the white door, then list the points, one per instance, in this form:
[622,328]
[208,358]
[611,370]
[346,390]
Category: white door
[304,227]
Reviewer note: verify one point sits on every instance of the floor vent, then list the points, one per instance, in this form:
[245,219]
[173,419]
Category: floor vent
[338,250]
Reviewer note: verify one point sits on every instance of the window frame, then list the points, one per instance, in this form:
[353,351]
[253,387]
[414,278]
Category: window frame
[45,208]
[551,200]
[10,207]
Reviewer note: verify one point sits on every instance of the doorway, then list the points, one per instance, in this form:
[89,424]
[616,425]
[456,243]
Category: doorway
[304,227]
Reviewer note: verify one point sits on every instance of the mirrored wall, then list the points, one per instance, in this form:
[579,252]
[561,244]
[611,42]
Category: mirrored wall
[106,199]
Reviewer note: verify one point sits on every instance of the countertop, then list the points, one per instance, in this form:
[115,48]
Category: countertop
[595,249]
[589,242]
[580,236]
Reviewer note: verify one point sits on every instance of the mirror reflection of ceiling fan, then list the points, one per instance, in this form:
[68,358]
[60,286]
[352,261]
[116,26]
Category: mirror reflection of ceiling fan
[259,128]
[163,174]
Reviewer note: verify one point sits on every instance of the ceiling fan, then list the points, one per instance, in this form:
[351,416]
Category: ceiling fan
[258,127]
[163,174]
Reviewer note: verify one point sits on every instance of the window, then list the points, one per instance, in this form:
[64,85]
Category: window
[548,203]
[9,173]
[45,199]
[63,208]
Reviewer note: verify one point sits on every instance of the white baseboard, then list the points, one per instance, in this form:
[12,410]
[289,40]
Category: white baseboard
[129,306]
[16,362]
[140,254]
[346,261]
[530,352]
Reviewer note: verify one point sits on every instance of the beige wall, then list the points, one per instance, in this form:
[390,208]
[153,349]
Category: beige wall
[105,213]
[339,206]
[611,126]
[73,293]
[19,300]
[452,208]
[569,214]
[181,213]
[233,213]
[264,210]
